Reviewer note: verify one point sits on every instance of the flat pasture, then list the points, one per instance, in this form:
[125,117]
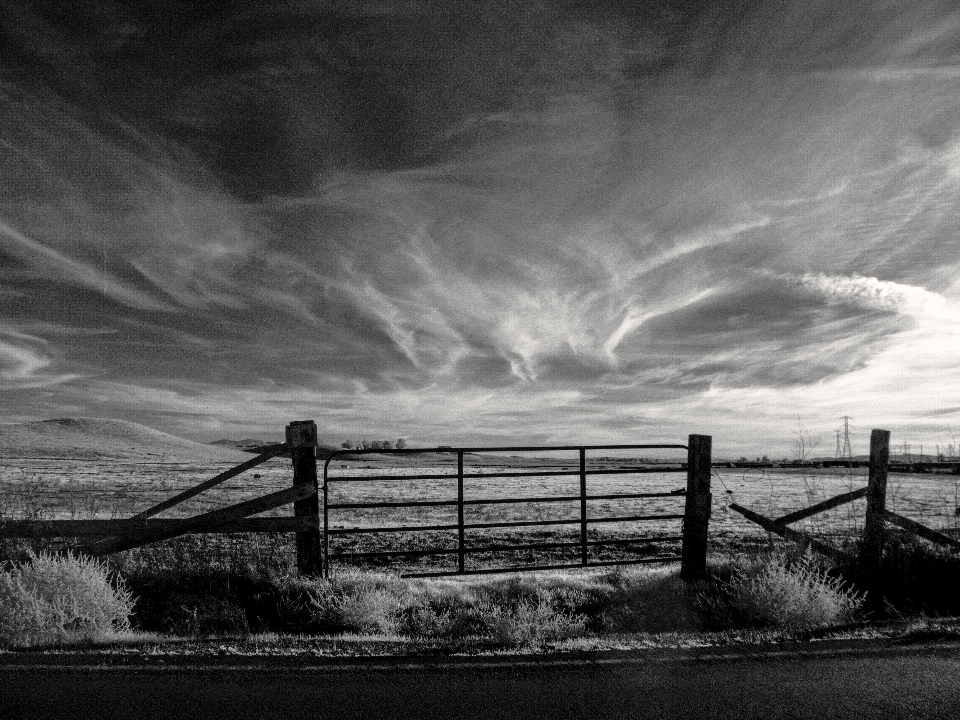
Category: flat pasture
[101,489]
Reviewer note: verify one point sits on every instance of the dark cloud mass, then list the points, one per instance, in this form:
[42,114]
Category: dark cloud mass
[481,220]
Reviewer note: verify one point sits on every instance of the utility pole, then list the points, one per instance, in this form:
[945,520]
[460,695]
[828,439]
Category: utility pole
[846,452]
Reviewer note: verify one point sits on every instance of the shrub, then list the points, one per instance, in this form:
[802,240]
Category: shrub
[53,598]
[530,623]
[367,603]
[773,591]
[374,611]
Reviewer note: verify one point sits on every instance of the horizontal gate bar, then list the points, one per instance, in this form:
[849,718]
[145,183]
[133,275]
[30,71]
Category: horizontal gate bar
[501,501]
[570,473]
[402,528]
[567,498]
[354,478]
[540,546]
[555,448]
[521,523]
[522,568]
[637,470]
[394,553]
[478,526]
[413,503]
[636,518]
[505,448]
[626,541]
[406,528]
[617,496]
[451,551]
[531,473]
[505,548]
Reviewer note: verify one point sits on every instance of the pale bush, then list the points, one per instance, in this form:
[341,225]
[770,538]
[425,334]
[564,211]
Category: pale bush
[367,603]
[530,623]
[373,611]
[773,592]
[53,598]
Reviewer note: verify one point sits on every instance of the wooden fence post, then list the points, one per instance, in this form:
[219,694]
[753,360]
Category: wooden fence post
[302,439]
[871,551]
[696,515]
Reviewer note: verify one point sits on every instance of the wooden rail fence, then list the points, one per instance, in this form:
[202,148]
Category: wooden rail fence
[312,535]
[143,528]
[877,516]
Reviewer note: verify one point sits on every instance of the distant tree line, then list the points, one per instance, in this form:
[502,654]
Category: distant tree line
[399,444]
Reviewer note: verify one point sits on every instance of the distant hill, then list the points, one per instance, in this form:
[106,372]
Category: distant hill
[250,445]
[247,444]
[93,438]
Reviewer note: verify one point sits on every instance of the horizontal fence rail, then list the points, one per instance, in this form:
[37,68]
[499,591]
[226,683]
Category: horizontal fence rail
[461,526]
[107,528]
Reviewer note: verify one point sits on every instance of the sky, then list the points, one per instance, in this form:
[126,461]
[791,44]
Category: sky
[473,222]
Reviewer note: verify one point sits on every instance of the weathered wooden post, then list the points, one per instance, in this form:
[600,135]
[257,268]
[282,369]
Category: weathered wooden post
[302,440]
[871,551]
[696,514]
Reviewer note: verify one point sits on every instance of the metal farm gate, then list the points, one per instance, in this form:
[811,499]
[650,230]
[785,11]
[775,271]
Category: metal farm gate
[381,492]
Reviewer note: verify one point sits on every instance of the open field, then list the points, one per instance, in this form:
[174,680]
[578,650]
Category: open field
[87,489]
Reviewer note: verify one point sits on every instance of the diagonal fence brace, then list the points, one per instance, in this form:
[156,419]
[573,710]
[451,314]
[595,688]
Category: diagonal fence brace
[268,452]
[796,536]
[206,521]
[820,507]
[921,530]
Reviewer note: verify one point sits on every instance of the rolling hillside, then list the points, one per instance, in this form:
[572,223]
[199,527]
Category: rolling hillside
[92,438]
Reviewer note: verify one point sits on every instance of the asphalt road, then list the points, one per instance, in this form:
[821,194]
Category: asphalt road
[833,682]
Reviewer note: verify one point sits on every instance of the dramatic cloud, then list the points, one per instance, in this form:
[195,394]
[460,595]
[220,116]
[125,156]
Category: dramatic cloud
[483,221]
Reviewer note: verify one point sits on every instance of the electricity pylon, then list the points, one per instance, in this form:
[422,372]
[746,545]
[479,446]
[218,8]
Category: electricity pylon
[838,445]
[846,452]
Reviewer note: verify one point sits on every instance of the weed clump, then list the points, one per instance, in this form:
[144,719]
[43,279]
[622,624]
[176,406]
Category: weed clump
[776,591]
[60,598]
